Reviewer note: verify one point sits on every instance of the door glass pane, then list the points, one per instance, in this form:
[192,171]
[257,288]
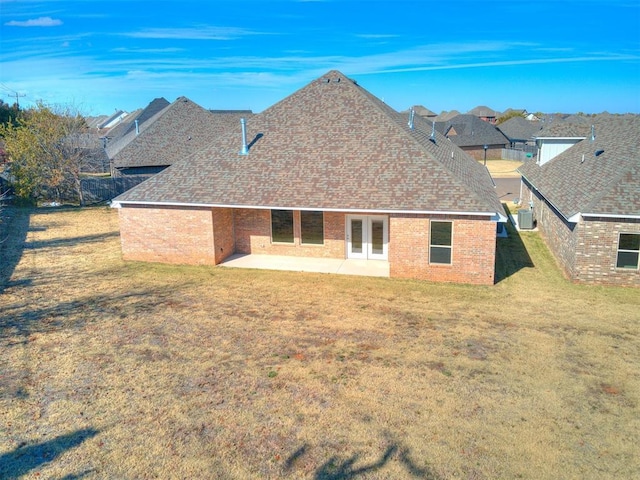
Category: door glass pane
[377,237]
[356,236]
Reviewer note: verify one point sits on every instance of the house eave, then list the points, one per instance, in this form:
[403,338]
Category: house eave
[609,215]
[495,216]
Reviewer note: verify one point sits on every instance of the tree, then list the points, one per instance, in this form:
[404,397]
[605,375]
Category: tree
[8,113]
[45,152]
[511,114]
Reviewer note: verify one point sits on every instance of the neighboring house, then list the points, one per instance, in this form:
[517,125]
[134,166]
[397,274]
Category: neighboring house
[422,112]
[331,172]
[133,121]
[586,202]
[520,131]
[444,116]
[176,131]
[476,137]
[558,137]
[485,114]
[113,120]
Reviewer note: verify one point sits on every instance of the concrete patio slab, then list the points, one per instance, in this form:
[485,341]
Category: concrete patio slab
[369,268]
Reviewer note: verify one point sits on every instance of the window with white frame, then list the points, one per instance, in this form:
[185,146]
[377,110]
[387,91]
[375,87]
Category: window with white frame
[440,242]
[628,250]
[282,226]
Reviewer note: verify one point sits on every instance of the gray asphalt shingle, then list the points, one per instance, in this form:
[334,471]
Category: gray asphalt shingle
[334,146]
[607,182]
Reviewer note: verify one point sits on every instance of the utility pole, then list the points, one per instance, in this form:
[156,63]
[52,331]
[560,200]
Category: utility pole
[13,94]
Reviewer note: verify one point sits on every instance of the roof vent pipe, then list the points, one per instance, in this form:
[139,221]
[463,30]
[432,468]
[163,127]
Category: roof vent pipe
[137,127]
[245,148]
[593,133]
[433,132]
[411,115]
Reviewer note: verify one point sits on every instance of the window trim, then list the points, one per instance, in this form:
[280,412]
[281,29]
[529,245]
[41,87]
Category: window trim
[618,250]
[431,245]
[293,230]
[302,242]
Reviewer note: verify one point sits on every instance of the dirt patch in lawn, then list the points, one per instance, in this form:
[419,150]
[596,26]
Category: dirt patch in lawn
[114,370]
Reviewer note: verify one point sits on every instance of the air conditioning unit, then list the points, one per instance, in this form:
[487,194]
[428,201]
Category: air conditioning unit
[525,219]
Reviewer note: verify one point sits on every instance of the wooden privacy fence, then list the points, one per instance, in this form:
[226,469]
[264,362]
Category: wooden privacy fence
[97,190]
[518,155]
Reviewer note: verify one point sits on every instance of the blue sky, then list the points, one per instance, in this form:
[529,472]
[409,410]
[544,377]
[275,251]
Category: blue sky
[550,56]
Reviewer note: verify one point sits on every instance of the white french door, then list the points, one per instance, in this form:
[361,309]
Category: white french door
[367,237]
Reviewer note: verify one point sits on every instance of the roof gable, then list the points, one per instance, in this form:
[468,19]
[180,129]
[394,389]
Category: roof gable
[468,130]
[332,146]
[176,131]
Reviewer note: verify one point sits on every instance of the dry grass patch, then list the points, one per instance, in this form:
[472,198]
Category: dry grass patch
[114,370]
[503,168]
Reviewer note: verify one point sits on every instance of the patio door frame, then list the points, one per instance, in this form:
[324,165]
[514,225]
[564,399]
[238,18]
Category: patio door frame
[367,252]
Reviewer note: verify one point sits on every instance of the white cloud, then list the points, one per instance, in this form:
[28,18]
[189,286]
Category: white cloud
[194,33]
[35,22]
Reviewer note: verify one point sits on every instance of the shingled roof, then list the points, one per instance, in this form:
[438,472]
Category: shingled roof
[519,129]
[127,125]
[176,131]
[468,130]
[594,178]
[329,146]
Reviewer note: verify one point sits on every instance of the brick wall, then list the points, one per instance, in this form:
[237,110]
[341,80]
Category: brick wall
[208,236]
[560,236]
[223,233]
[167,235]
[473,256]
[597,250]
[586,251]
[477,151]
[253,235]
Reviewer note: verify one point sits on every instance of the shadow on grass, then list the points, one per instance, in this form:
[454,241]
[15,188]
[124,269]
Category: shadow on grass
[511,254]
[24,320]
[69,242]
[338,468]
[14,225]
[26,458]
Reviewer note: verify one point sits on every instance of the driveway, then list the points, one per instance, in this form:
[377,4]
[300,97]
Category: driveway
[507,188]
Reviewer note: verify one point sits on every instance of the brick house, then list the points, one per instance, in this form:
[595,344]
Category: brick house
[331,172]
[165,132]
[478,138]
[586,202]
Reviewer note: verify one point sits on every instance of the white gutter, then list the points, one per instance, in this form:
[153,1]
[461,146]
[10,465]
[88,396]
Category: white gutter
[496,216]
[609,215]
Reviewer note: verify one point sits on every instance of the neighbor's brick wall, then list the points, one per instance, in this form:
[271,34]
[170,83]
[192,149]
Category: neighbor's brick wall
[560,236]
[586,251]
[597,250]
[474,249]
[253,235]
[477,152]
[167,235]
